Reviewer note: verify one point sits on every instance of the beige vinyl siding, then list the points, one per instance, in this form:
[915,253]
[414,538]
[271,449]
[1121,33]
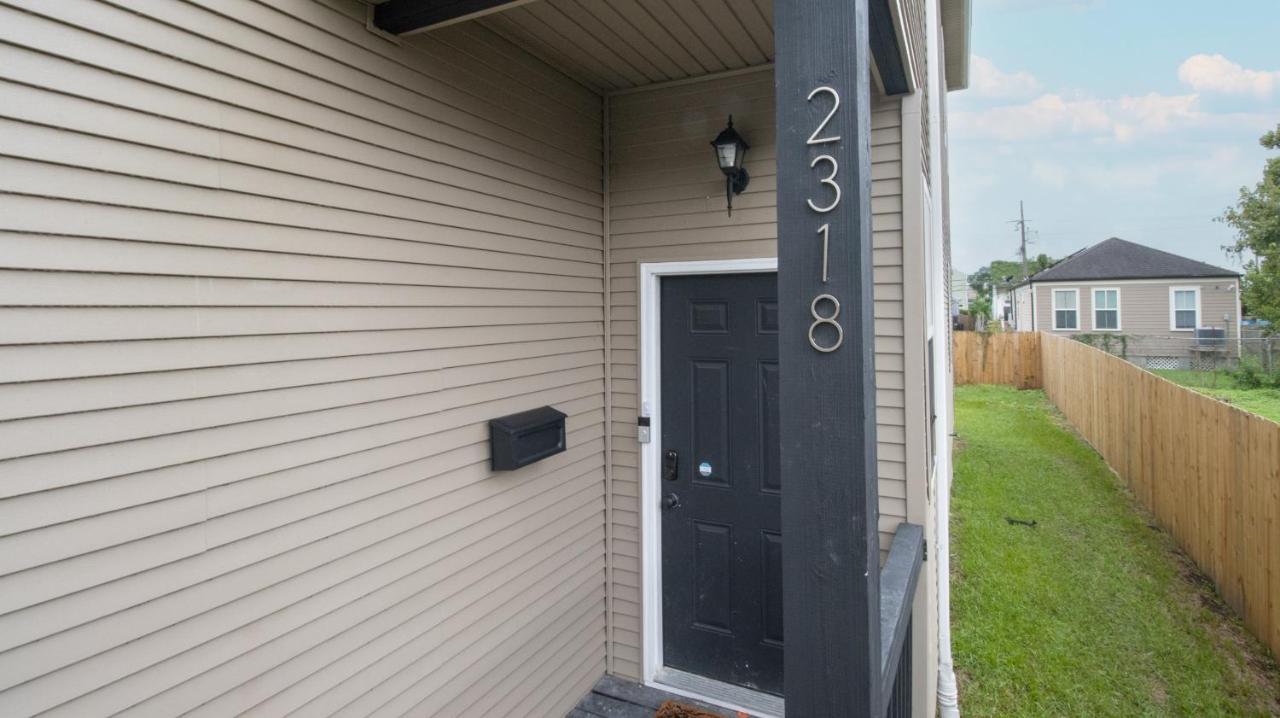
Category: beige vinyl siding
[667,204]
[265,276]
[1144,312]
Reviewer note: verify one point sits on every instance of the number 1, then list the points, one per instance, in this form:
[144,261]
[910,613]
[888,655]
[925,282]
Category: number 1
[824,230]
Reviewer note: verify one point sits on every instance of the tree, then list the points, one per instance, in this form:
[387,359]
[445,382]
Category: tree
[981,281]
[1256,219]
[980,306]
[1005,273]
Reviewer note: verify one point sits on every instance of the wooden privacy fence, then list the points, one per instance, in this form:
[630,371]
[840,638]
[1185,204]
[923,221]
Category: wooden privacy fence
[1209,472]
[1011,358]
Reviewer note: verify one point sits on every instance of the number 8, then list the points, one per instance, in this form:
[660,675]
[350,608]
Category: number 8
[819,320]
[829,181]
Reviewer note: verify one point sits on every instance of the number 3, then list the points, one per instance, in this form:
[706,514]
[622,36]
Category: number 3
[830,181]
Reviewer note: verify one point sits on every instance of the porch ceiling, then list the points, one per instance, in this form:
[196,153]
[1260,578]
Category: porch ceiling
[613,45]
[621,44]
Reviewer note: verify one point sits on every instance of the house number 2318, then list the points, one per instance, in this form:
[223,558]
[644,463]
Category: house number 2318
[825,308]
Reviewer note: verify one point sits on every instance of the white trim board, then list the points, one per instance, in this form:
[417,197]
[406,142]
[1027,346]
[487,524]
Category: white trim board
[1239,320]
[736,698]
[650,301]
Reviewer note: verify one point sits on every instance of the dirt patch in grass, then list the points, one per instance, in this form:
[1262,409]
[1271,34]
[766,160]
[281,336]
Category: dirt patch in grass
[1159,692]
[1255,666]
[1203,586]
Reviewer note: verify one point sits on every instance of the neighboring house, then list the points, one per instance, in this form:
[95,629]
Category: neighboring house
[1002,305]
[271,268]
[959,292]
[1022,307]
[1155,308]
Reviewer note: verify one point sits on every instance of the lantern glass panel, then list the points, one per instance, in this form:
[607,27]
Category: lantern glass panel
[727,155]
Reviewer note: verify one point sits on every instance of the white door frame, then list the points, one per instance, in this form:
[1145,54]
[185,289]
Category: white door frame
[650,301]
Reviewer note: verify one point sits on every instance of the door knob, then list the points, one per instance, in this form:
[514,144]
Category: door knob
[671,501]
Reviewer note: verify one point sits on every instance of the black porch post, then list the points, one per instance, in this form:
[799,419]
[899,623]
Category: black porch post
[827,391]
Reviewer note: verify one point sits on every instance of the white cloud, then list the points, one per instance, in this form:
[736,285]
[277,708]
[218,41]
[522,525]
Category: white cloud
[1051,174]
[987,80]
[1052,115]
[1215,73]
[1126,173]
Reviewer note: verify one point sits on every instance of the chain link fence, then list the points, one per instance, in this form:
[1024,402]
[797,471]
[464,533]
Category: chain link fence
[1264,349]
[1203,351]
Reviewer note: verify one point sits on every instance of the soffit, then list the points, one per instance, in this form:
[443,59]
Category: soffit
[622,44]
[957,19]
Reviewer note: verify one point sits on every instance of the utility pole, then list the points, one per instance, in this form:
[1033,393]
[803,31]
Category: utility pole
[1022,227]
[1021,221]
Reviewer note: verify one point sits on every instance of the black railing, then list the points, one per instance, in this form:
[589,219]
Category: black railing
[898,580]
[898,699]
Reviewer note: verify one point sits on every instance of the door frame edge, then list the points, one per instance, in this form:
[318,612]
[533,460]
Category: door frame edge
[650,351]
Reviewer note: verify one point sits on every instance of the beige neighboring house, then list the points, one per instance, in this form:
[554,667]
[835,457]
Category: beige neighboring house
[1157,309]
[269,269]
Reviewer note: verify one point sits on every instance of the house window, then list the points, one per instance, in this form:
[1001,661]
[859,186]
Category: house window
[1106,309]
[1066,314]
[1184,308]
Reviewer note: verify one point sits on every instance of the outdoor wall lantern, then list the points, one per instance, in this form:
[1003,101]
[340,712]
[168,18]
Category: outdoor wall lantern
[730,149]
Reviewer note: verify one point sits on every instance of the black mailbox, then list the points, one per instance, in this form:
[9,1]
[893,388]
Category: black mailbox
[520,439]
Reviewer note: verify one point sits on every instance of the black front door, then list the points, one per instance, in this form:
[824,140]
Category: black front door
[721,484]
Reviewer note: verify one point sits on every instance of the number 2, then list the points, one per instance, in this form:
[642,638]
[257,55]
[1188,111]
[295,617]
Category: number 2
[814,139]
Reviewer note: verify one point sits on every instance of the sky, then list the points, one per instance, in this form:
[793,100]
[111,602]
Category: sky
[1137,119]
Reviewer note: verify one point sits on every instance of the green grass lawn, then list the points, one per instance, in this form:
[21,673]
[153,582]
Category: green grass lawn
[1264,402]
[1091,612]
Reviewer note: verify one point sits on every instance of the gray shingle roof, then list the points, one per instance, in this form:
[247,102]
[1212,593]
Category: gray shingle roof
[1116,258]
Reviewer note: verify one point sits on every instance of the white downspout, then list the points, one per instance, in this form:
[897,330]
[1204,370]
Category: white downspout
[948,695]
